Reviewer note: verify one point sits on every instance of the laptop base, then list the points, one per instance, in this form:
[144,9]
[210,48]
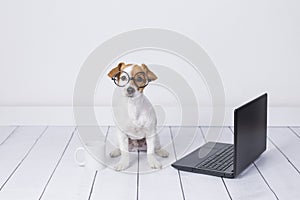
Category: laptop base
[191,162]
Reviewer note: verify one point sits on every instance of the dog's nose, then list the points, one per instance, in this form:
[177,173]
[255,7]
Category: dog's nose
[130,90]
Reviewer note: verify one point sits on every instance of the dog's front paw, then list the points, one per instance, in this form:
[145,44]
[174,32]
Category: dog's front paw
[122,165]
[154,164]
[115,153]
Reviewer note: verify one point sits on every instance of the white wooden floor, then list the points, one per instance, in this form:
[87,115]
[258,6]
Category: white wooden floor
[37,163]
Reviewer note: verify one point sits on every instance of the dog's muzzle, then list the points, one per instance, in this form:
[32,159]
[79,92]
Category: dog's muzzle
[130,91]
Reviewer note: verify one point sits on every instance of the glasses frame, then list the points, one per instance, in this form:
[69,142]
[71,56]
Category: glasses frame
[115,79]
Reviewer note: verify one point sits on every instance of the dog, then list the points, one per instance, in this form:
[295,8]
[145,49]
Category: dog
[139,121]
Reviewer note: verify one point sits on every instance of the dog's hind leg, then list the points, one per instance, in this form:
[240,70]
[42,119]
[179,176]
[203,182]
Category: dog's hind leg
[162,153]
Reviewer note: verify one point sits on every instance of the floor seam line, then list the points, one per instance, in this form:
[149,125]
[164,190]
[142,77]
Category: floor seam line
[27,153]
[58,162]
[179,175]
[202,134]
[138,177]
[11,133]
[295,132]
[285,156]
[93,183]
[226,188]
[265,181]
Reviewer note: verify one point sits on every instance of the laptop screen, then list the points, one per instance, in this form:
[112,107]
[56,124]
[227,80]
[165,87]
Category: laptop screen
[250,132]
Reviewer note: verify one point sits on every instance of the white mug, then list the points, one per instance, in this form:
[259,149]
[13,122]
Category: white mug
[97,148]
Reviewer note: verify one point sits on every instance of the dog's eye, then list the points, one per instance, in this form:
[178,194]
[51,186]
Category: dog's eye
[139,79]
[123,78]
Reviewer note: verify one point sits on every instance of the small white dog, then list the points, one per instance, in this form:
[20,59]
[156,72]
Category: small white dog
[136,118]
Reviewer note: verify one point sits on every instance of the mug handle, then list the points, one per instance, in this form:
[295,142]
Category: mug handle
[82,163]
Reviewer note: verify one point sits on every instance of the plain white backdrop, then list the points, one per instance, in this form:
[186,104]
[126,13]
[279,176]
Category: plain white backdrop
[254,44]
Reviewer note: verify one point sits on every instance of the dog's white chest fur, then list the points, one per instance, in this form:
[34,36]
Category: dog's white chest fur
[137,117]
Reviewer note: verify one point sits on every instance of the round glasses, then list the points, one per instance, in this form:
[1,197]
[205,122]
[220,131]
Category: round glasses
[122,78]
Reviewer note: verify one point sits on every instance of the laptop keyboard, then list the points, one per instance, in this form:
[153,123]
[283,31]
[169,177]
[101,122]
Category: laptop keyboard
[219,161]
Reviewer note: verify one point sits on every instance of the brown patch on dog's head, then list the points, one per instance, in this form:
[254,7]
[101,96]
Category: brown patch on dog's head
[136,69]
[120,67]
[115,70]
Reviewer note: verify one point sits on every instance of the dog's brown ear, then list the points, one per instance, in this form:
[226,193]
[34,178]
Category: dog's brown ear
[151,76]
[115,70]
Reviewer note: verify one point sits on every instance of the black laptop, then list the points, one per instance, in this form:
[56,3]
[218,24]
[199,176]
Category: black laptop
[229,160]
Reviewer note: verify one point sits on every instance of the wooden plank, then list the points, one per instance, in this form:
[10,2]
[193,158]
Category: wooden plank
[30,179]
[69,180]
[288,143]
[113,185]
[186,139]
[195,186]
[16,149]
[278,172]
[164,183]
[249,184]
[6,132]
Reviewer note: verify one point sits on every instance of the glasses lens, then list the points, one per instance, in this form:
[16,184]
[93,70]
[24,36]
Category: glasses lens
[140,79]
[121,79]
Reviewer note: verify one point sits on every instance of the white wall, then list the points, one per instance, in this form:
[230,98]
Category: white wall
[255,44]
